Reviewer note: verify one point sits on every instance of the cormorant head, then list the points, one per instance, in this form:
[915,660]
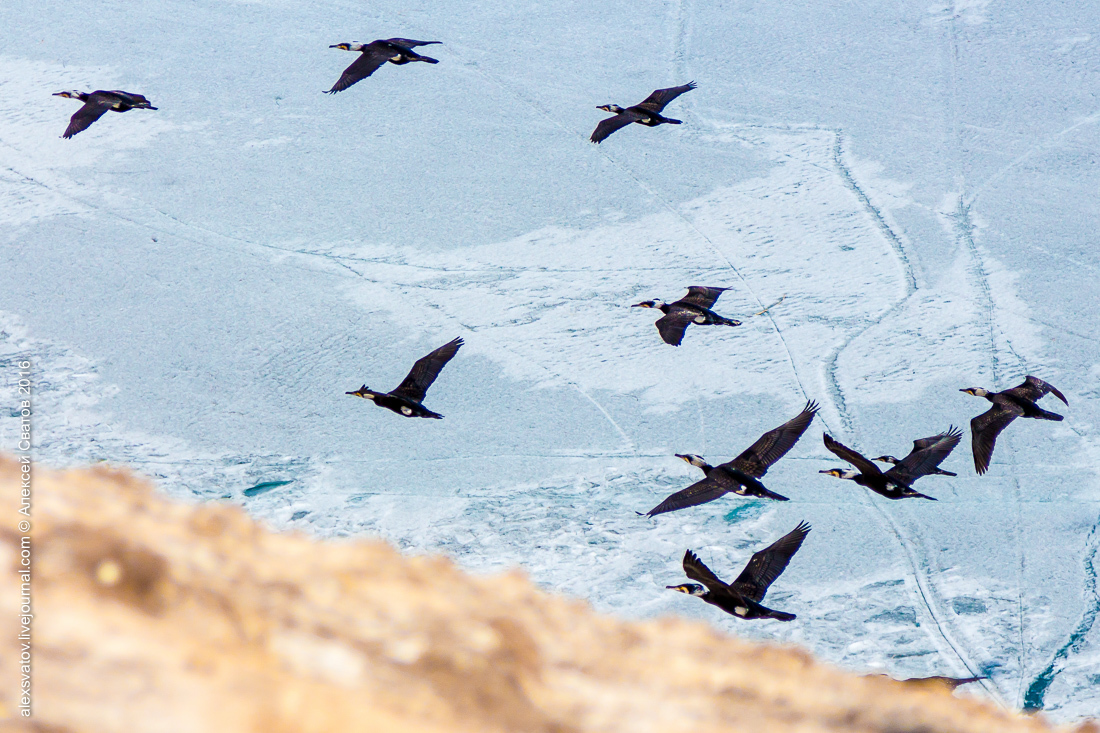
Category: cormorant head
[348,46]
[364,392]
[886,459]
[611,108]
[841,473]
[71,95]
[976,391]
[648,304]
[692,589]
[693,459]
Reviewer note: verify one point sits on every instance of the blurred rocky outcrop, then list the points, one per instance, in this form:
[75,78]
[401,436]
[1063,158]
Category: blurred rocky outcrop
[151,615]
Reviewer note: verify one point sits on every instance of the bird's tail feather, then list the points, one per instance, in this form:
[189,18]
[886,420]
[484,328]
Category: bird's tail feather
[780,615]
[772,495]
[1044,415]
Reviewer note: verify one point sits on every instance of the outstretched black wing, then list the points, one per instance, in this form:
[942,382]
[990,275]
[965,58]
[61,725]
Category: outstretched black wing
[611,124]
[409,43]
[672,327]
[696,570]
[922,443]
[370,59]
[698,493]
[424,372]
[984,430]
[657,101]
[1034,388]
[925,460]
[701,296]
[862,464]
[768,564]
[92,110]
[774,444]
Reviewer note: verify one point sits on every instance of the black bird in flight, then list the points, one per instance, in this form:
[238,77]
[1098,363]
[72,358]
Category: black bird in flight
[952,436]
[742,597]
[740,475]
[407,398]
[647,113]
[397,51]
[97,104]
[897,482]
[1007,406]
[695,307]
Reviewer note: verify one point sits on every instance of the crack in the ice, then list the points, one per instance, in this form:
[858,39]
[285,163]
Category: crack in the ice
[926,594]
[964,233]
[876,214]
[1035,697]
[925,589]
[831,378]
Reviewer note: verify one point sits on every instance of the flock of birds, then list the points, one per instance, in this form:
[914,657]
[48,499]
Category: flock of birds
[372,56]
[743,597]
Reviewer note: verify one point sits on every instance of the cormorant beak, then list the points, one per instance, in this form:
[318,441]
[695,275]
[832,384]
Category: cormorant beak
[680,588]
[62,94]
[641,305]
[968,390]
[150,107]
[831,472]
[341,46]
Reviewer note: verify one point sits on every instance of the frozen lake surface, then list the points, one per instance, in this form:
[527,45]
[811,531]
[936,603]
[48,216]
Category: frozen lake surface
[198,287]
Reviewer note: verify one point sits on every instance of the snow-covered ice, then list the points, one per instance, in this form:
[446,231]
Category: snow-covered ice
[198,287]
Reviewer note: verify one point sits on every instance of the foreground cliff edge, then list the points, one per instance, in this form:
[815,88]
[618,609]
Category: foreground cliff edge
[151,615]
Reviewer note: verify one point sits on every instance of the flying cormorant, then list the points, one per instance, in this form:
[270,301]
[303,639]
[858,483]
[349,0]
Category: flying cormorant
[395,50]
[97,103]
[897,482]
[742,597]
[695,307]
[407,398]
[647,113]
[1007,406]
[953,436]
[740,475]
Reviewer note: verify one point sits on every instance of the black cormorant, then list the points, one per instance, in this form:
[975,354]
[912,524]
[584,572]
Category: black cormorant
[1007,406]
[97,103]
[395,50]
[695,307]
[740,475]
[949,440]
[407,398]
[895,483]
[647,113]
[742,597]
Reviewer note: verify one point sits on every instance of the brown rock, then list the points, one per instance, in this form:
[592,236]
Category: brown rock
[151,615]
